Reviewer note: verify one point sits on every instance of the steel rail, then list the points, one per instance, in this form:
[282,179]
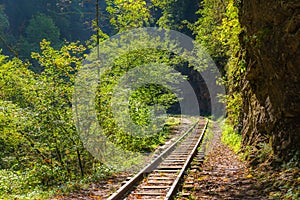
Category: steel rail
[121,192]
[176,183]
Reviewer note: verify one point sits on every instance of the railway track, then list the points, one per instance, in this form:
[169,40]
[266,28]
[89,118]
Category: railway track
[161,178]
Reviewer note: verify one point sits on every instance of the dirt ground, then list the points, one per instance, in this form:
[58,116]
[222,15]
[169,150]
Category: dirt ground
[224,176]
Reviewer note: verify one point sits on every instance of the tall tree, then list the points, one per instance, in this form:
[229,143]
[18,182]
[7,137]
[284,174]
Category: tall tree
[217,30]
[173,14]
[128,14]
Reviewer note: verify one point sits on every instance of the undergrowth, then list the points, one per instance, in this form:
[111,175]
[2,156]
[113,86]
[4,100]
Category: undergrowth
[275,181]
[231,137]
[32,183]
[280,183]
[19,185]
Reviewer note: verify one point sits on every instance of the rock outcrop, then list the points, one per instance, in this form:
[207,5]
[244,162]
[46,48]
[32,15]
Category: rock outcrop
[271,86]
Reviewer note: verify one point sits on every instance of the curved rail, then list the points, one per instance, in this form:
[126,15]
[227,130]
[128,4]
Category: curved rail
[175,185]
[163,163]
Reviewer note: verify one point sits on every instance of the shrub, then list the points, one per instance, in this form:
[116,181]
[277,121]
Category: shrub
[231,137]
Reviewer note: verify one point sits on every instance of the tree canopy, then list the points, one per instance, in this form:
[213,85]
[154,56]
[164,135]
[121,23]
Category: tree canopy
[46,43]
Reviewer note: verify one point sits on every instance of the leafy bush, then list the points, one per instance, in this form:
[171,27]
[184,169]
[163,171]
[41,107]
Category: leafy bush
[231,137]
[21,185]
[218,31]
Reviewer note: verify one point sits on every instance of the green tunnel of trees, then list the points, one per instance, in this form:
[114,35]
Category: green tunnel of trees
[44,44]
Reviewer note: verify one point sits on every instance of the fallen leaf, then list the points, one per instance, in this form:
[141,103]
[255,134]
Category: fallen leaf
[249,176]
[96,197]
[202,178]
[138,196]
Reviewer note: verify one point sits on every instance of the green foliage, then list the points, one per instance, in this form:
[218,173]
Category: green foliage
[40,27]
[125,15]
[36,120]
[14,78]
[170,19]
[55,126]
[234,103]
[218,30]
[39,138]
[280,182]
[4,23]
[191,197]
[208,137]
[172,121]
[141,100]
[40,147]
[4,28]
[173,13]
[207,31]
[168,14]
[144,97]
[72,18]
[231,138]
[128,14]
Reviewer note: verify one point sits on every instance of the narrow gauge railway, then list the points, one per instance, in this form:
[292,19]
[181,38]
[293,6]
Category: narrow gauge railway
[161,178]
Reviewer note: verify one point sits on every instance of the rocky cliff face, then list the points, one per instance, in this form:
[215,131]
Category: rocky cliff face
[271,86]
